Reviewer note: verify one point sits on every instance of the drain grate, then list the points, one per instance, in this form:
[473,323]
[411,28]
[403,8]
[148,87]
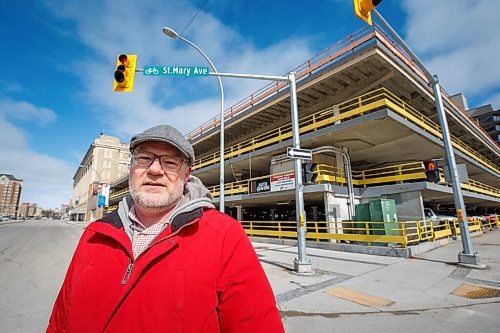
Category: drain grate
[475,292]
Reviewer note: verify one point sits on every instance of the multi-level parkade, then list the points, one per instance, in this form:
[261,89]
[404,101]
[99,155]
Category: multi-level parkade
[362,95]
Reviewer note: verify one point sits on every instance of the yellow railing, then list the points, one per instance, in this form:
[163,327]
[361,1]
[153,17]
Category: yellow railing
[110,209]
[121,192]
[400,173]
[489,222]
[324,58]
[388,174]
[397,234]
[366,103]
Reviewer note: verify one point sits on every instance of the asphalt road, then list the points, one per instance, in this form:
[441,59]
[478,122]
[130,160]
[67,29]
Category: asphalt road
[34,256]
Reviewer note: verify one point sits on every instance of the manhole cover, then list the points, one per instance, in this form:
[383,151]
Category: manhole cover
[475,292]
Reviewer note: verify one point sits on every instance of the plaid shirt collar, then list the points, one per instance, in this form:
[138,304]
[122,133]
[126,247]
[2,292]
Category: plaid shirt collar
[137,223]
[135,220]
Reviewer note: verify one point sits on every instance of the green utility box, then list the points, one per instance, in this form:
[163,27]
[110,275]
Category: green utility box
[384,210]
[362,212]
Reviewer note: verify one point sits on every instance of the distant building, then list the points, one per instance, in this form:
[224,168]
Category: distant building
[65,211]
[486,117]
[106,160]
[33,210]
[489,120]
[28,210]
[10,193]
[23,209]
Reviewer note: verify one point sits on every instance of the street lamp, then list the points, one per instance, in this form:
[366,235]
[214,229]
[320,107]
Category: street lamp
[172,34]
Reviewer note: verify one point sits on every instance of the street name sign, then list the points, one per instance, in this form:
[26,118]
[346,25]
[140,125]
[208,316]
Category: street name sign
[176,70]
[304,154]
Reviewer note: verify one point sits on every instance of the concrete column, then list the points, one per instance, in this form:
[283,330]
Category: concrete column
[314,213]
[336,112]
[239,213]
[332,214]
[273,210]
[408,205]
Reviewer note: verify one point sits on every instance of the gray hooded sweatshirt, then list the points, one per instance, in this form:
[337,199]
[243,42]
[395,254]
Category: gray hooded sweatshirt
[195,196]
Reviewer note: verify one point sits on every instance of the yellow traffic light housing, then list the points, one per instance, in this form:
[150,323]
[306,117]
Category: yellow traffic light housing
[362,9]
[125,72]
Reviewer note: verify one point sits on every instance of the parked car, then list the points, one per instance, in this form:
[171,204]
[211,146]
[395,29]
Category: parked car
[4,218]
[436,219]
[492,218]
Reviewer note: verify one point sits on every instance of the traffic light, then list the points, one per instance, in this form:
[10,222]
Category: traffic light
[309,174]
[362,9]
[125,72]
[431,171]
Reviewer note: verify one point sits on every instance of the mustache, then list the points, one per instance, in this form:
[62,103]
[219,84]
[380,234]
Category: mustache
[150,182]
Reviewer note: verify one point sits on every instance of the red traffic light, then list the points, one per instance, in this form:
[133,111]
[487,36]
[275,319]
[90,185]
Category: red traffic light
[432,171]
[430,165]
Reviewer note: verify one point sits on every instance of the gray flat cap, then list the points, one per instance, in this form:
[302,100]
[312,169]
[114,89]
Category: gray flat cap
[167,134]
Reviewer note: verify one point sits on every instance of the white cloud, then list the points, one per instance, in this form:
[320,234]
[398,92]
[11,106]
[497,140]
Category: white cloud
[495,101]
[46,180]
[7,86]
[458,41]
[24,110]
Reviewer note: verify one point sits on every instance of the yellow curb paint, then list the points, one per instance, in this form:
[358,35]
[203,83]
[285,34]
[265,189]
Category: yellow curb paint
[359,297]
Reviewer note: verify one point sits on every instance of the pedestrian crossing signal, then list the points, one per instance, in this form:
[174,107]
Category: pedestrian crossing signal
[432,171]
[125,72]
[309,174]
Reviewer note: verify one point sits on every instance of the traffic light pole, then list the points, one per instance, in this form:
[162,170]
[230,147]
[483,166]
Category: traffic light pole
[467,257]
[301,265]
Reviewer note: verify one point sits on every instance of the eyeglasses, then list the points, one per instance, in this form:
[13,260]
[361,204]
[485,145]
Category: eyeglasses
[168,163]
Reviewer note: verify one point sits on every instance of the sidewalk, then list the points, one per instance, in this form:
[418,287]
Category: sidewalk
[368,293]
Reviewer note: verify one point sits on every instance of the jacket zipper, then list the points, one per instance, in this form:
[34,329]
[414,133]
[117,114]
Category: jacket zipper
[128,272]
[130,266]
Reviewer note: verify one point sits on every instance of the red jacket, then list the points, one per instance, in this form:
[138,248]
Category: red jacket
[201,274]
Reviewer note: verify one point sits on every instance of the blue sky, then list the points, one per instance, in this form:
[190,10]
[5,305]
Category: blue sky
[58,61]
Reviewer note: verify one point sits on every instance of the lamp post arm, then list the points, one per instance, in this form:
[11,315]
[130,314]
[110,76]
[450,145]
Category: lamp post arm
[221,182]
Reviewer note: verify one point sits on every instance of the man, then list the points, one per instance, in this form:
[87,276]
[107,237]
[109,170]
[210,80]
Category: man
[166,260]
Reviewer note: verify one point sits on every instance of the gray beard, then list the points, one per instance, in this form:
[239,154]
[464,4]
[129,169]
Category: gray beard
[172,197]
